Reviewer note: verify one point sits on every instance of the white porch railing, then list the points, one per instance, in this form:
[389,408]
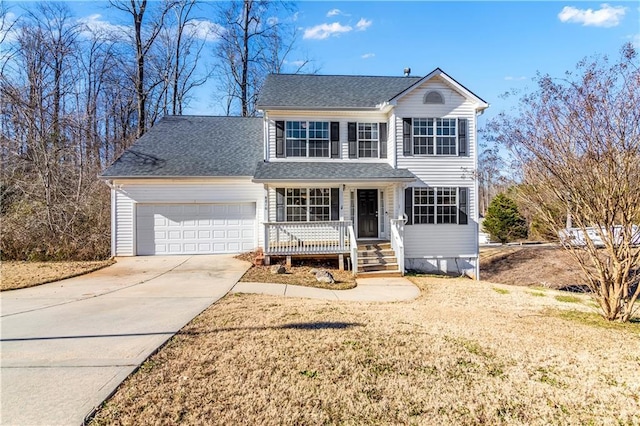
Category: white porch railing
[287,238]
[397,241]
[354,250]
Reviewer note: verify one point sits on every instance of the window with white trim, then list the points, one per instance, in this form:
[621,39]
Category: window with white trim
[435,136]
[435,205]
[296,204]
[307,139]
[307,204]
[368,140]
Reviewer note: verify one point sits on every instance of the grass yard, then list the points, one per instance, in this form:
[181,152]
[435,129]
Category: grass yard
[463,353]
[18,274]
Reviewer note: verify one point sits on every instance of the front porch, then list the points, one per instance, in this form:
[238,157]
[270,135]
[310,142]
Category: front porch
[337,238]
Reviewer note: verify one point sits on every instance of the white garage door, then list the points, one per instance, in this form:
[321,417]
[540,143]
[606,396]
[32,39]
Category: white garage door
[195,228]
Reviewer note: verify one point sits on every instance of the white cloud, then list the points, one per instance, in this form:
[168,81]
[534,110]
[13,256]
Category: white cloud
[298,63]
[334,12]
[363,24]
[324,31]
[368,55]
[606,16]
[96,25]
[204,30]
[512,78]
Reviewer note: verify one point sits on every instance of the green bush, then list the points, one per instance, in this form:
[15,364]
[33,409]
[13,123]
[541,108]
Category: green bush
[503,220]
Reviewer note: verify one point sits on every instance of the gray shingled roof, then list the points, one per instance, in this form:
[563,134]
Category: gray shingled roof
[185,146]
[329,171]
[330,91]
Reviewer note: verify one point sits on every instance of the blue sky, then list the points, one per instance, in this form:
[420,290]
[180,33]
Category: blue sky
[490,47]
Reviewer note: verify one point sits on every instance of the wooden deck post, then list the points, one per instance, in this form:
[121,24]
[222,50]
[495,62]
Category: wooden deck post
[341,262]
[267,260]
[288,261]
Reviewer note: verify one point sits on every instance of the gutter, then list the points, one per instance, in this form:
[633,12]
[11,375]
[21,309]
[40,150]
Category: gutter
[112,178]
[338,180]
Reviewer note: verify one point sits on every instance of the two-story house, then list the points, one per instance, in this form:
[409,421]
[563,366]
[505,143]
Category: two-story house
[378,171]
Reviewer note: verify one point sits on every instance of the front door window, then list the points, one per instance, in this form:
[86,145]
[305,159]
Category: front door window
[367,213]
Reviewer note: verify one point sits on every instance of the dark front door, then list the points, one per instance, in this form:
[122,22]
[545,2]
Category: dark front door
[367,213]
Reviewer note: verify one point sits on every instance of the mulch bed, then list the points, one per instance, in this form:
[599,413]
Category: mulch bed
[299,273]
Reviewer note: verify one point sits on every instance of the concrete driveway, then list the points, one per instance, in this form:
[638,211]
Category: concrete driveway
[66,346]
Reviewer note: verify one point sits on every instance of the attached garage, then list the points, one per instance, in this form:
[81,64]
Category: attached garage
[198,228]
[185,187]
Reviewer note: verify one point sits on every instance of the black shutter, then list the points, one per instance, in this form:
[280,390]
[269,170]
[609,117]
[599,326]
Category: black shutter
[353,140]
[406,137]
[463,206]
[463,150]
[383,140]
[335,204]
[280,205]
[408,204]
[280,139]
[335,139]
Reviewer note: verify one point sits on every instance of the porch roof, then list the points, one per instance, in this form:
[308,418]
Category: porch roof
[330,171]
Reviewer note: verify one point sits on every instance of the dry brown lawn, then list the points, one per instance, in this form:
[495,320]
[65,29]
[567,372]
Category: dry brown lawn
[18,274]
[463,353]
[549,267]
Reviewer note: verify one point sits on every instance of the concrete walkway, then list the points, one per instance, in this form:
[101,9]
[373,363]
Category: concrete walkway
[367,290]
[67,345]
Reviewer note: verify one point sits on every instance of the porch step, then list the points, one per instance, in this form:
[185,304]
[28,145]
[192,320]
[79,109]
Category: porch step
[376,253]
[379,274]
[374,260]
[375,246]
[377,258]
[378,267]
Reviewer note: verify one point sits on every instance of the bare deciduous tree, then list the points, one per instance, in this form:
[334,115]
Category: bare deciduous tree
[254,42]
[69,105]
[144,37]
[577,141]
[490,180]
[178,56]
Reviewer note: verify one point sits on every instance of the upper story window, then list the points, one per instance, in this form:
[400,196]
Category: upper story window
[435,136]
[307,139]
[368,140]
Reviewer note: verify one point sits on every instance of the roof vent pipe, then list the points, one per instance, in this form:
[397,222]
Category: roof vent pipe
[407,72]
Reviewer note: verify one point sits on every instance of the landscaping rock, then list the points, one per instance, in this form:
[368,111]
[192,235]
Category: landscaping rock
[314,271]
[278,269]
[325,277]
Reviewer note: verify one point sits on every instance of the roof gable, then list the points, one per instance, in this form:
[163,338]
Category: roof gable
[462,90]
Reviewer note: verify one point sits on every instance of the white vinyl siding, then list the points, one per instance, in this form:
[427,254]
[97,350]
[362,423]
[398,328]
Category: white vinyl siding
[130,193]
[437,170]
[124,225]
[443,241]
